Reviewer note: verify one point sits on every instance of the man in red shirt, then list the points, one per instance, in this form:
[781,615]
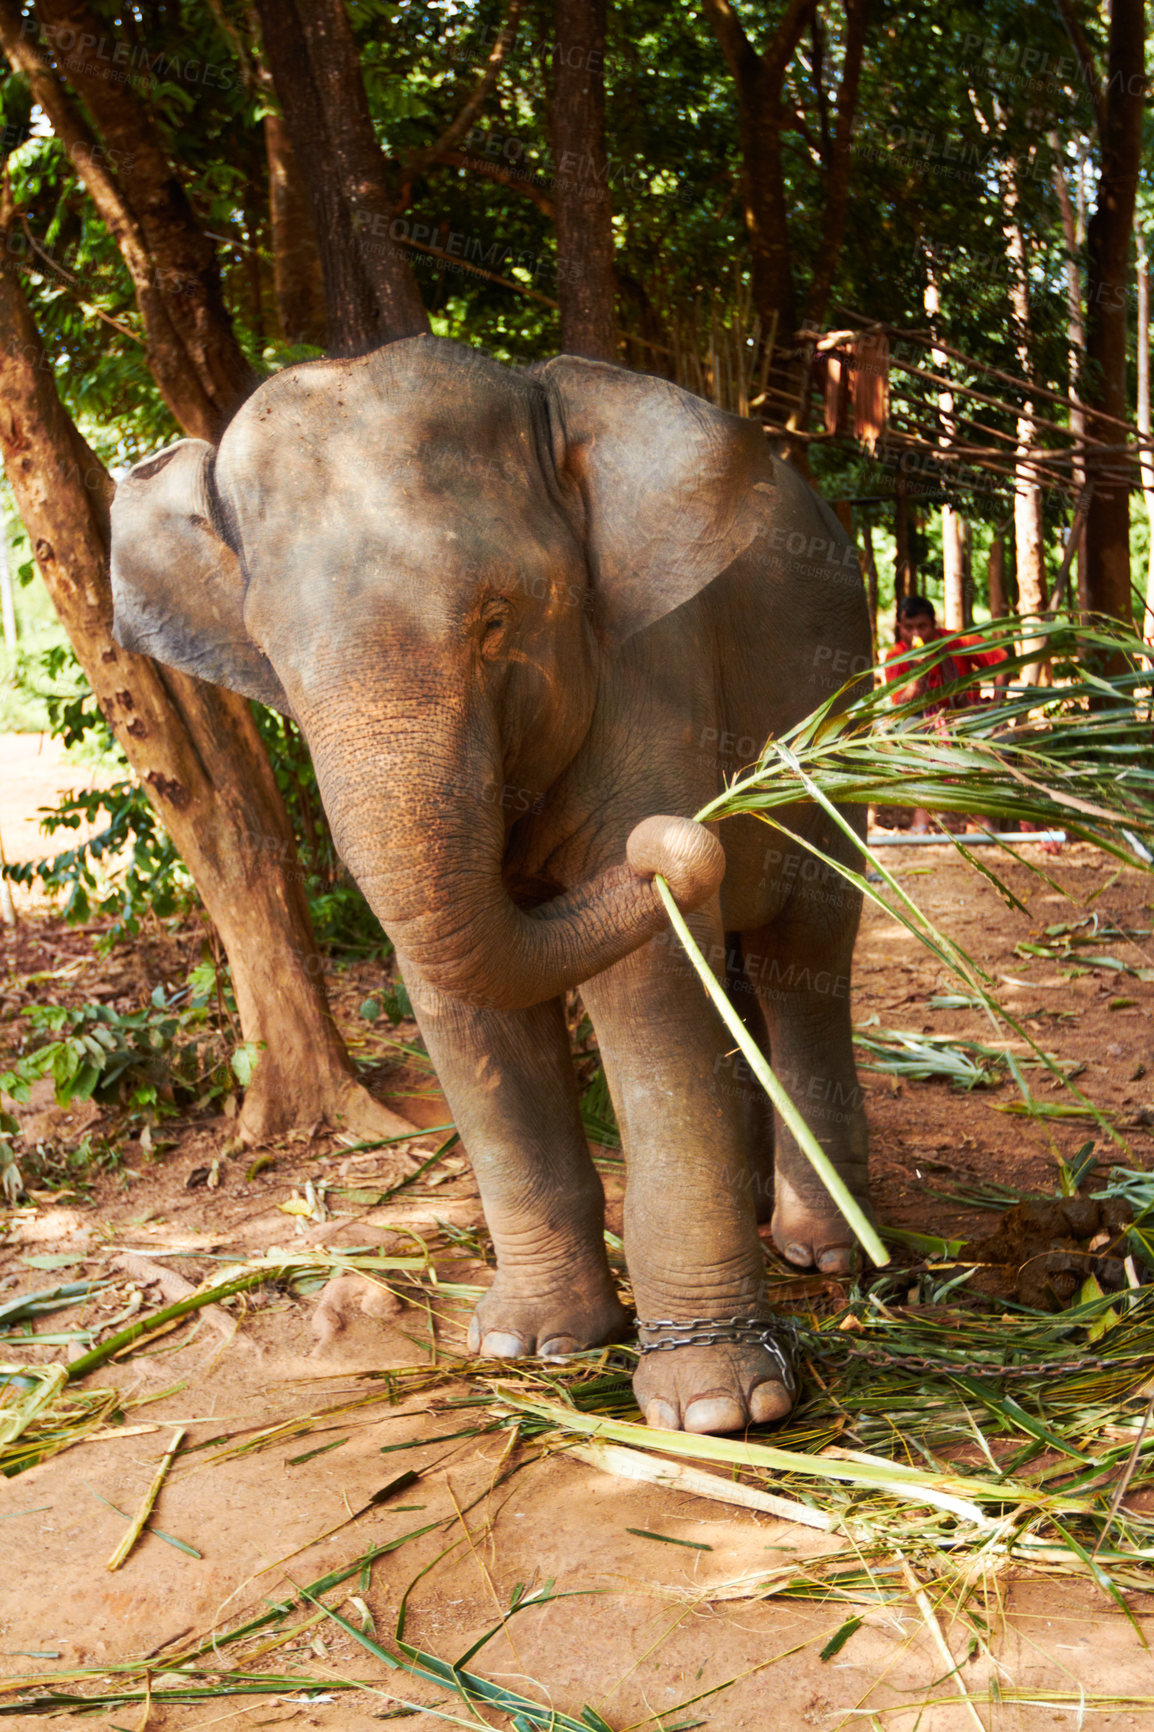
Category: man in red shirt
[917,626]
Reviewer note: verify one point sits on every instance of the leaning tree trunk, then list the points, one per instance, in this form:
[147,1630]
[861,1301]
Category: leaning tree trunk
[192,350]
[185,257]
[586,287]
[196,752]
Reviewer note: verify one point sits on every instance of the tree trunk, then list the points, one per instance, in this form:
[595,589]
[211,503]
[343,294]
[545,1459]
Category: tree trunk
[869,560]
[298,278]
[372,294]
[996,577]
[1073,235]
[170,364]
[192,347]
[197,753]
[1029,556]
[758,83]
[837,164]
[586,286]
[1108,261]
[954,569]
[1146,459]
[953,528]
[905,565]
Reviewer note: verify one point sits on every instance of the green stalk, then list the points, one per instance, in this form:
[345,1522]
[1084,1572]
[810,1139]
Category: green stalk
[182,1308]
[806,1141]
[960,1494]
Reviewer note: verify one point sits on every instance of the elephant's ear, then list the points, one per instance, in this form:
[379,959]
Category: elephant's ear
[177,586]
[673,489]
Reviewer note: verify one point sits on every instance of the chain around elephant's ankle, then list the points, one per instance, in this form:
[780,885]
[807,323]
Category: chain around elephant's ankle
[773,1334]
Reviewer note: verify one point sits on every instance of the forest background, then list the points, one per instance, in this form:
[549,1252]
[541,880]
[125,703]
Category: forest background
[911,239]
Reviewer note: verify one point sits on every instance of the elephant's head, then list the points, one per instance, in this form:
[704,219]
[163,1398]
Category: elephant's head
[426,558]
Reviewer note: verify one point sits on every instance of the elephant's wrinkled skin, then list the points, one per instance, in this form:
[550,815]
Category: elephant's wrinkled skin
[519,616]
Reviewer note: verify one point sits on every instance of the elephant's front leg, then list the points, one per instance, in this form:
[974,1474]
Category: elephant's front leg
[690,1222]
[508,1077]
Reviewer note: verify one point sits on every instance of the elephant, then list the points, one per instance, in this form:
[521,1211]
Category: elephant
[529,620]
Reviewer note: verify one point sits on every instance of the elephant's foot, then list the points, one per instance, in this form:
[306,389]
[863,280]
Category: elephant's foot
[711,1389]
[810,1232]
[520,1316]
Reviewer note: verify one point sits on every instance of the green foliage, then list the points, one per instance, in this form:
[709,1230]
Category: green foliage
[151,1063]
[395,1004]
[342,919]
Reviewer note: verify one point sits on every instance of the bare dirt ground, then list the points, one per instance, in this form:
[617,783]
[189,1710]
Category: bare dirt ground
[34,771]
[655,1634]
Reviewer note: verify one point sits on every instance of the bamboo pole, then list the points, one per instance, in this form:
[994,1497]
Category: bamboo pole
[137,1525]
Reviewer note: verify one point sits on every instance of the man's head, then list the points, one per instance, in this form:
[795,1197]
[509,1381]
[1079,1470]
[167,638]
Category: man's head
[915,619]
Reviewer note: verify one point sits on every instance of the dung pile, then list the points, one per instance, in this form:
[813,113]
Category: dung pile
[1042,1252]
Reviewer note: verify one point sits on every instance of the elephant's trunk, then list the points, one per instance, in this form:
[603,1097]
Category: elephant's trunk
[423,834]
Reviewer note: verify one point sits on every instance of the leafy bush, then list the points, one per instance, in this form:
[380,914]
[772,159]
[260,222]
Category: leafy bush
[342,919]
[153,1063]
[395,1004]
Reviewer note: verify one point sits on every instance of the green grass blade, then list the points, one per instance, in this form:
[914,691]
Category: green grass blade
[850,1208]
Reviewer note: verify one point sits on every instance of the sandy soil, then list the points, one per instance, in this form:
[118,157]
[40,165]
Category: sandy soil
[652,1626]
[35,770]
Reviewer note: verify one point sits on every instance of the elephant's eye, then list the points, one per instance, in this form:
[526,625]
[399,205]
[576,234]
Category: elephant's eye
[495,616]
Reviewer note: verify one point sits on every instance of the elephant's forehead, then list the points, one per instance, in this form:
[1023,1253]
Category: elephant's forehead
[355,424]
[402,524]
[382,483]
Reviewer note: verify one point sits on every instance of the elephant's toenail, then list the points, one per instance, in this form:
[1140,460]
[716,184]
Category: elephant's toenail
[498,1345]
[661,1415]
[769,1401]
[712,1413]
[802,1255]
[559,1347]
[835,1261]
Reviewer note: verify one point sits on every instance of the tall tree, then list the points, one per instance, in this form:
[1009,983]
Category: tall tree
[1118,111]
[1074,239]
[759,81]
[194,747]
[372,294]
[195,750]
[298,277]
[1146,457]
[584,219]
[956,602]
[1029,545]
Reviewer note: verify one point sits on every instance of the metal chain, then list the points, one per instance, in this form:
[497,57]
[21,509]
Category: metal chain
[764,1332]
[768,1333]
[979,1368]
